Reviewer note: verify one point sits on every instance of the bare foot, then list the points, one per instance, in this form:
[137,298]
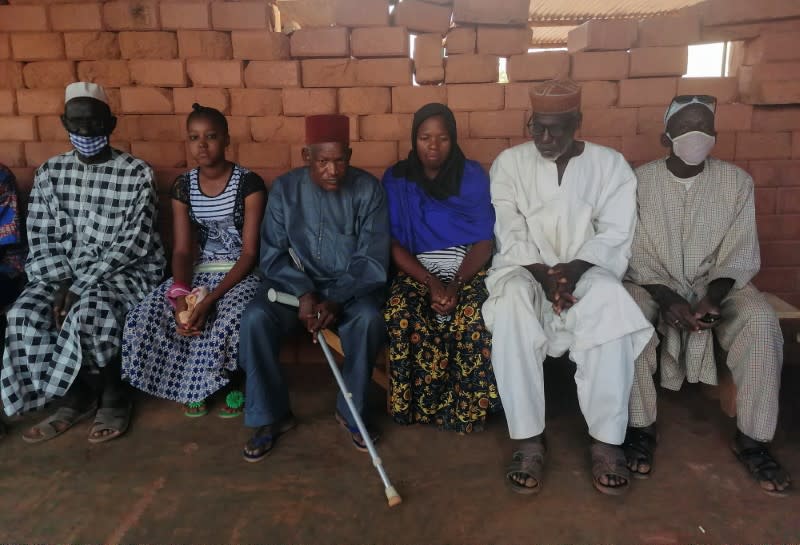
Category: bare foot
[229,411]
[523,479]
[34,433]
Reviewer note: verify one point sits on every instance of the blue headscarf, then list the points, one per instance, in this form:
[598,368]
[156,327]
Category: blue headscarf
[447,180]
[453,209]
[11,243]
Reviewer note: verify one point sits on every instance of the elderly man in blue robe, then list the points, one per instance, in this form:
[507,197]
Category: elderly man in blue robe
[325,239]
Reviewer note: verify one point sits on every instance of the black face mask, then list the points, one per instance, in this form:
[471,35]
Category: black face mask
[86,116]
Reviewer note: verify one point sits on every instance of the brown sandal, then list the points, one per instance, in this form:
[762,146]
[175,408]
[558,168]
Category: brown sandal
[609,460]
[69,416]
[527,459]
[110,419]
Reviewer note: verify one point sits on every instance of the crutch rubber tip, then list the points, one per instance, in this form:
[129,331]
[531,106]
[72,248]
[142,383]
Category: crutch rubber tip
[393,497]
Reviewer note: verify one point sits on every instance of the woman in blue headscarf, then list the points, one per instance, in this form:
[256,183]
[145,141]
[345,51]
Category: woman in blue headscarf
[12,252]
[442,224]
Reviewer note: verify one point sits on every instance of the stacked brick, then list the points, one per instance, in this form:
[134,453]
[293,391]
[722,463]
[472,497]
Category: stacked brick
[629,80]
[490,118]
[771,69]
[767,125]
[157,57]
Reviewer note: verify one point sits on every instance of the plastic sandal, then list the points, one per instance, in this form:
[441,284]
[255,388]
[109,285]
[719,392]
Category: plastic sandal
[234,403]
[195,409]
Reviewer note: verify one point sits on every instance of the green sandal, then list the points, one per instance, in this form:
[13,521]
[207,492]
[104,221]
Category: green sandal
[234,405]
[195,409]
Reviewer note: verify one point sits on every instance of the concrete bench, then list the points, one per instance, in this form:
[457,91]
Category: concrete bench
[380,373]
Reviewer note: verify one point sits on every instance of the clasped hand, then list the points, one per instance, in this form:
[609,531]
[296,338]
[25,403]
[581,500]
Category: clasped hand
[196,323]
[62,303]
[444,298]
[317,315]
[677,312]
[559,281]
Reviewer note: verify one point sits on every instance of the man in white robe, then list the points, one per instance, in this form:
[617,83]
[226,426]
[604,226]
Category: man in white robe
[693,256]
[565,219]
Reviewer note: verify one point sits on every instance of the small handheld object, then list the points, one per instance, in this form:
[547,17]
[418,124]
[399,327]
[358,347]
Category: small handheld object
[392,497]
[710,318]
[192,299]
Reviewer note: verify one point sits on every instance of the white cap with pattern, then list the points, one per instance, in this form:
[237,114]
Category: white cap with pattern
[81,89]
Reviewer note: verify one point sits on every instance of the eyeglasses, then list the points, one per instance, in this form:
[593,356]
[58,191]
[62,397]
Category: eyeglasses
[537,129]
[685,100]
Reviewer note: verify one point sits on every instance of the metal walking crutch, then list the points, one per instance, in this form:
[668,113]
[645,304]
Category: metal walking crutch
[391,494]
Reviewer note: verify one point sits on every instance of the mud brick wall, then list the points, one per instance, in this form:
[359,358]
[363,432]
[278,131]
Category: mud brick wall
[158,57]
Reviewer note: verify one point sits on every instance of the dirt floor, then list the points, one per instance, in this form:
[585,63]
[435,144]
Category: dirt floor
[176,480]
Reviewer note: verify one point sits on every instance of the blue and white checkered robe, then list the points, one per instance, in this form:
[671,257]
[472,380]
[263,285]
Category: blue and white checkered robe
[93,226]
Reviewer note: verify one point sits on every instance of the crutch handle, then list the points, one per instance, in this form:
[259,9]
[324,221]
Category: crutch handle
[275,296]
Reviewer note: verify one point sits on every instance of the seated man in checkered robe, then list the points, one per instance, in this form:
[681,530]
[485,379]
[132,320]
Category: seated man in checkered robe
[694,254]
[94,253]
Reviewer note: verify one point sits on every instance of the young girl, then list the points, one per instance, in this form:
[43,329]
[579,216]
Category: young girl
[186,354]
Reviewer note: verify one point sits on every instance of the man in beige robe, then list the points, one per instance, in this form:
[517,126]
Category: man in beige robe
[694,253]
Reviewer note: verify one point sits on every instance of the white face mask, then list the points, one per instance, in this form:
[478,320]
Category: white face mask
[693,147]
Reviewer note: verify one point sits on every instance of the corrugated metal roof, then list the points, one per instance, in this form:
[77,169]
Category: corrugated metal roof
[582,10]
[549,36]
[545,15]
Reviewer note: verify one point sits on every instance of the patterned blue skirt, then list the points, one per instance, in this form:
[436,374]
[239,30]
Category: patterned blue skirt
[159,361]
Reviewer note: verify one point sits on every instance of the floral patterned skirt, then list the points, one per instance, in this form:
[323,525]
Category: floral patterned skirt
[441,371]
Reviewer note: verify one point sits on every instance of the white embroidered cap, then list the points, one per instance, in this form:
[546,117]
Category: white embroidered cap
[85,89]
[682,101]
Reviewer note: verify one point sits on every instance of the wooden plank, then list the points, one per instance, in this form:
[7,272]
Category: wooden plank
[784,310]
[379,373]
[333,341]
[380,377]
